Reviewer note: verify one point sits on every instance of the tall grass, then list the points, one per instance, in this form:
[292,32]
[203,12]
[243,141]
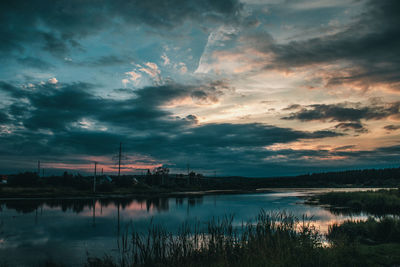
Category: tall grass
[372,231]
[273,239]
[375,202]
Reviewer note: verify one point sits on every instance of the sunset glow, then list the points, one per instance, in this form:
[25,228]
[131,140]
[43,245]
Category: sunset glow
[251,88]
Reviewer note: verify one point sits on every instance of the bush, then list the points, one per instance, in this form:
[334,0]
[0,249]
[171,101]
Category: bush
[371,231]
[105,187]
[376,202]
[25,179]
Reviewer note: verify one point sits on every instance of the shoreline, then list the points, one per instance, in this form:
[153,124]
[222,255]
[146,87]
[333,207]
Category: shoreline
[149,194]
[303,192]
[359,201]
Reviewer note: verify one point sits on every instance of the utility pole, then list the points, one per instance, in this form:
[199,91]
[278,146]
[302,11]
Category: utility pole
[38,167]
[94,178]
[101,171]
[188,177]
[119,159]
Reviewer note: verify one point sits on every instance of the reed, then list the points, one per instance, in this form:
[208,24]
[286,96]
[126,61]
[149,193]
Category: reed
[379,202]
[272,239]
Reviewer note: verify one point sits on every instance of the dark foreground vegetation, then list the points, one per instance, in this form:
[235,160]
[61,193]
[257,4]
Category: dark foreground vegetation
[273,240]
[30,184]
[379,202]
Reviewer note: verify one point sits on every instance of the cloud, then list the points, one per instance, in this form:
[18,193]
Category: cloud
[56,45]
[4,117]
[341,148]
[348,114]
[360,54]
[166,121]
[57,26]
[183,69]
[152,69]
[344,112]
[392,127]
[52,80]
[56,106]
[34,62]
[50,119]
[102,61]
[369,46]
[133,77]
[293,106]
[218,39]
[355,126]
[165,59]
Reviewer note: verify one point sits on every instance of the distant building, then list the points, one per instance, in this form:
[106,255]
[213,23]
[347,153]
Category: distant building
[104,179]
[194,178]
[160,176]
[4,179]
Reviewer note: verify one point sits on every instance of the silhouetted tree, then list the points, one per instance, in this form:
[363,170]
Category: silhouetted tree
[25,179]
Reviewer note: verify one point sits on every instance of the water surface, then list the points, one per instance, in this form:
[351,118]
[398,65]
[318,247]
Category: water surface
[32,231]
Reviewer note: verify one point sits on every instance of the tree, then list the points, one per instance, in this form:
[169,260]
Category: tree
[25,179]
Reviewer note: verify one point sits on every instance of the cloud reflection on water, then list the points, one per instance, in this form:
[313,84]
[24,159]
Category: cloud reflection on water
[35,230]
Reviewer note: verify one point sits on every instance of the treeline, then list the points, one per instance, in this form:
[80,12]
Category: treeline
[354,178]
[78,182]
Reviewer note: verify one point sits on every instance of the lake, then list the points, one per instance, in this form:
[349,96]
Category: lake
[32,231]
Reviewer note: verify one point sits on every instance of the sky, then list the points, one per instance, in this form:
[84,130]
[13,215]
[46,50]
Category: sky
[252,88]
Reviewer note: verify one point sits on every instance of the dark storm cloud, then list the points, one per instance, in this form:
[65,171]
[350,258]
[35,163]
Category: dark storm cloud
[54,107]
[172,13]
[103,61]
[49,121]
[86,141]
[382,155]
[191,118]
[344,147]
[203,97]
[392,127]
[242,135]
[355,126]
[54,44]
[58,25]
[34,62]
[57,106]
[344,112]
[344,156]
[109,60]
[3,117]
[370,45]
[12,90]
[292,107]
[218,143]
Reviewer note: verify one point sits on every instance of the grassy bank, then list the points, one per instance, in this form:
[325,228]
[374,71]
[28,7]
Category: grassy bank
[375,202]
[273,240]
[64,191]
